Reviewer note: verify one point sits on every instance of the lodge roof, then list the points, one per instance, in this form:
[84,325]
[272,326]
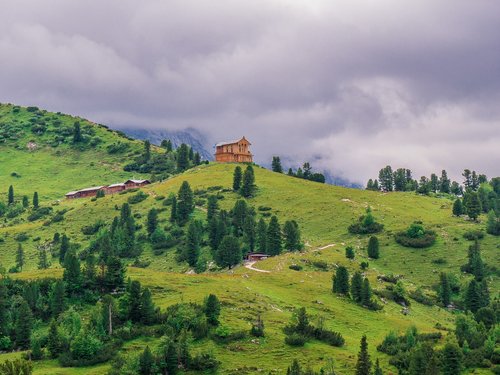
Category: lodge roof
[115,185]
[231,142]
[137,181]
[91,189]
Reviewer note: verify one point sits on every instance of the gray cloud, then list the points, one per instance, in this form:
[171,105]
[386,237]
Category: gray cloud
[352,85]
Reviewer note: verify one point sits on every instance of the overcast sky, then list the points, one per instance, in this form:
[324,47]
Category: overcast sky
[350,85]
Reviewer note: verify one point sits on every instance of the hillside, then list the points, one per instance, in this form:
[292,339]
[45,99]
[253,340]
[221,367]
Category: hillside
[323,214]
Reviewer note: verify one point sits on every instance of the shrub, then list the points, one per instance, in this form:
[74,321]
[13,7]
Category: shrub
[39,213]
[472,235]
[416,236]
[295,267]
[330,337]
[203,362]
[264,208]
[21,237]
[364,265]
[93,228]
[137,198]
[320,264]
[14,211]
[295,339]
[366,224]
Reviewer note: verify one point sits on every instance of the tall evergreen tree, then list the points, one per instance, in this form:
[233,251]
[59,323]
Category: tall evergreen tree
[72,275]
[262,235]
[452,359]
[472,298]
[493,225]
[43,261]
[148,310]
[373,247]
[386,178]
[127,224]
[185,203]
[35,200]
[4,310]
[24,326]
[26,202]
[357,287]
[19,257]
[291,234]
[250,231]
[54,340]
[366,293]
[64,248]
[237,177]
[457,207]
[444,183]
[239,213]
[229,252]
[146,362]
[134,301]
[248,183]
[364,364]
[473,205]
[341,281]
[182,158]
[378,369]
[434,183]
[114,277]
[10,198]
[212,309]
[212,206]
[147,151]
[197,158]
[276,165]
[152,221]
[273,241]
[193,242]
[444,289]
[57,299]
[173,210]
[77,133]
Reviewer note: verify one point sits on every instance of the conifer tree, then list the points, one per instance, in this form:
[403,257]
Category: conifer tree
[24,325]
[127,224]
[341,281]
[452,359]
[54,340]
[262,235]
[90,272]
[212,206]
[274,242]
[19,257]
[291,234]
[185,203]
[148,310]
[182,158]
[378,370]
[77,133]
[197,158]
[349,252]
[239,213]
[237,177]
[146,362]
[64,248]
[373,248]
[444,289]
[173,210]
[294,369]
[366,293]
[364,364]
[4,310]
[356,287]
[72,275]
[472,298]
[248,183]
[249,231]
[152,221]
[147,151]
[57,300]
[183,355]
[473,205]
[134,301]
[229,252]
[276,165]
[26,202]
[212,309]
[457,207]
[444,183]
[35,200]
[114,277]
[493,225]
[193,241]
[43,261]
[10,198]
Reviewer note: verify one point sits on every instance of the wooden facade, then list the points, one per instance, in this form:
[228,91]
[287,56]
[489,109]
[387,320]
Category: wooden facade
[253,257]
[109,189]
[233,152]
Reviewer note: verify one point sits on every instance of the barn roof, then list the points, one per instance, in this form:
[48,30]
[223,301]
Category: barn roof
[137,181]
[231,142]
[91,188]
[71,193]
[115,185]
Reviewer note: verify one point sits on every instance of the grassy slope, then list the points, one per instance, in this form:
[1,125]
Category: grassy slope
[323,213]
[53,171]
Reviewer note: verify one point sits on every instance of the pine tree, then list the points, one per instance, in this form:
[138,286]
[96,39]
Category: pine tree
[349,252]
[127,225]
[57,300]
[249,231]
[472,298]
[452,359]
[212,206]
[43,261]
[239,213]
[19,257]
[212,309]
[182,158]
[4,310]
[262,235]
[473,205]
[294,369]
[457,207]
[152,221]
[193,241]
[185,203]
[26,202]
[386,178]
[24,325]
[444,289]
[378,370]
[248,183]
[237,177]
[72,275]
[64,248]
[273,241]
[341,281]
[35,200]
[146,362]
[197,158]
[356,287]
[147,151]
[366,293]
[148,310]
[54,340]
[229,252]
[291,235]
[11,195]
[493,226]
[134,301]
[114,277]
[183,355]
[364,364]
[444,183]
[77,133]
[373,248]
[173,210]
[276,165]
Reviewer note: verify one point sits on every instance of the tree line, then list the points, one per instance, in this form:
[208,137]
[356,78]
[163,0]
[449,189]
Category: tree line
[305,172]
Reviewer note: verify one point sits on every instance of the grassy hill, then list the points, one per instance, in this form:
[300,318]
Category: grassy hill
[323,213]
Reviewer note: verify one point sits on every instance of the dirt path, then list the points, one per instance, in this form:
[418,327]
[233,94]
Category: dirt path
[250,266]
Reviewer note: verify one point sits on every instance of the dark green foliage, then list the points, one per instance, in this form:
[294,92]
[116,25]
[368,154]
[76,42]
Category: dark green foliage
[55,344]
[377,370]
[357,287]
[137,198]
[472,299]
[373,248]
[57,298]
[212,206]
[291,234]
[115,274]
[475,264]
[152,221]
[273,239]
[17,366]
[294,369]
[212,309]
[64,248]
[366,293]
[416,236]
[25,201]
[89,230]
[24,325]
[173,209]
[185,203]
[276,165]
[493,225]
[72,275]
[444,292]
[193,241]
[228,252]
[366,224]
[257,329]
[10,197]
[250,230]
[452,359]
[262,236]
[458,209]
[248,183]
[19,257]
[148,310]
[134,301]
[4,311]
[473,235]
[349,252]
[100,193]
[386,179]
[237,177]
[341,281]
[364,364]
[147,151]
[239,214]
[182,158]
[472,205]
[77,133]
[43,261]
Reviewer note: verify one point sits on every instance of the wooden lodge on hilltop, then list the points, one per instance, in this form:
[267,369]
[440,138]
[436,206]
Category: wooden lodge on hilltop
[108,189]
[233,152]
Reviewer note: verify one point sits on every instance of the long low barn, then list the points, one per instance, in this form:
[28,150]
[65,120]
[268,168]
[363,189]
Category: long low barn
[107,189]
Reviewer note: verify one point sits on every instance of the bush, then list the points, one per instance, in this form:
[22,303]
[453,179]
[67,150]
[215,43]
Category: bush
[295,339]
[203,362]
[89,230]
[21,237]
[137,198]
[330,337]
[264,208]
[295,267]
[39,213]
[472,235]
[416,236]
[322,265]
[14,211]
[366,225]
